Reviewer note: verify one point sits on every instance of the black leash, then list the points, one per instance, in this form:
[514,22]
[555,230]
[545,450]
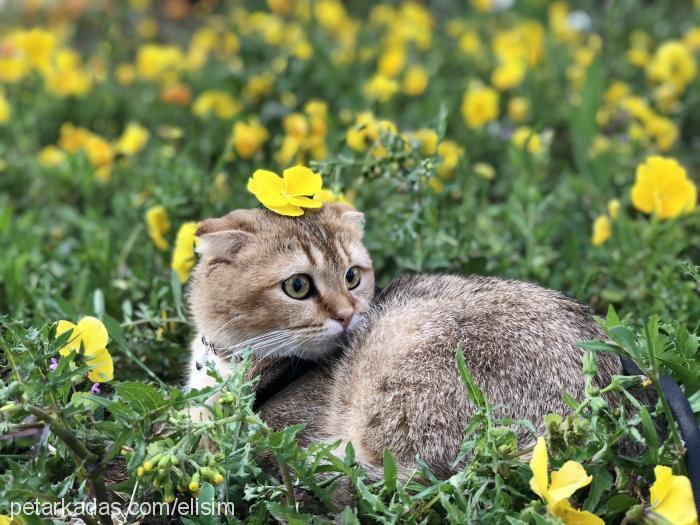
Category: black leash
[683,414]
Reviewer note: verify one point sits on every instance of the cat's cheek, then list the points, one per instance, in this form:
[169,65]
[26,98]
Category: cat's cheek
[354,322]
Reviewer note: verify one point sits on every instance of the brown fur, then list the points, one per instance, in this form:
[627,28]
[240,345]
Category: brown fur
[395,385]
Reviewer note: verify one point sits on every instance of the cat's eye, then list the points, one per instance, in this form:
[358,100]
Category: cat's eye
[298,286]
[352,277]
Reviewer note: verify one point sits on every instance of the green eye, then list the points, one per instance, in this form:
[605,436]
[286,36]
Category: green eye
[352,277]
[298,286]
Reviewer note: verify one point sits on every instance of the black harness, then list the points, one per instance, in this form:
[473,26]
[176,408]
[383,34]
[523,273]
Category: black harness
[296,368]
[683,414]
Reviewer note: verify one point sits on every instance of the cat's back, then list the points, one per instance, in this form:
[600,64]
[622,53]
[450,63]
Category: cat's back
[399,378]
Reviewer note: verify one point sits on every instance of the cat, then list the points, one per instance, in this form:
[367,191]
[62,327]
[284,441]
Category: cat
[303,287]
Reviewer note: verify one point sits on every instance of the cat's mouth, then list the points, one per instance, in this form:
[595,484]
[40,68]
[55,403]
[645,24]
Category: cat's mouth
[312,343]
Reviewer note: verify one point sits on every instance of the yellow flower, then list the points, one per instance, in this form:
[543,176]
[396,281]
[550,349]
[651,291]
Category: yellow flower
[326,195]
[564,483]
[36,45]
[614,208]
[5,520]
[154,61]
[479,106]
[66,76]
[484,170]
[218,102]
[125,74]
[183,253]
[158,225]
[450,153]
[672,62]
[508,75]
[380,88]
[5,110]
[91,336]
[258,86]
[427,140]
[289,194]
[518,109]
[663,188]
[672,498]
[524,138]
[99,151]
[133,139]
[12,69]
[392,61]
[601,230]
[415,81]
[248,137]
[50,156]
[366,131]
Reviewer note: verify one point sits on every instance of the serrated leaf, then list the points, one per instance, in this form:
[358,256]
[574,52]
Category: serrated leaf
[141,397]
[390,472]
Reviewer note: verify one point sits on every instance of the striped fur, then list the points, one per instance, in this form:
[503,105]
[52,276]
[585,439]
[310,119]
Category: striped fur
[395,384]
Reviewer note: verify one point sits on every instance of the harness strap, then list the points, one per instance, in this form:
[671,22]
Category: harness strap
[683,414]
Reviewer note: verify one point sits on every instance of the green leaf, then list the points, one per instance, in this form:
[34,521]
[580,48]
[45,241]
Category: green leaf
[602,481]
[141,397]
[612,318]
[620,503]
[176,289]
[650,435]
[475,394]
[390,472]
[348,517]
[624,337]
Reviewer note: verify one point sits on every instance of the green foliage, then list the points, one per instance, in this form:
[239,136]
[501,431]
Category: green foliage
[76,245]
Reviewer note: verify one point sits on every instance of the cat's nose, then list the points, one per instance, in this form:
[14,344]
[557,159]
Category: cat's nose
[344,317]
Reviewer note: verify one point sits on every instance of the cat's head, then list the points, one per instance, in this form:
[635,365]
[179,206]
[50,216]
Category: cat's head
[283,286]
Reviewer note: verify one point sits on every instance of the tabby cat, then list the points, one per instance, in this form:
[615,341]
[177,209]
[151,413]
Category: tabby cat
[303,287]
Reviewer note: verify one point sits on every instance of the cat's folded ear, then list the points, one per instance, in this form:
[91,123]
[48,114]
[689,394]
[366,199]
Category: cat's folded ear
[353,218]
[225,236]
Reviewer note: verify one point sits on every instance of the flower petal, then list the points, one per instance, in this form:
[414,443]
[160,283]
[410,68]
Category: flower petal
[93,334]
[301,181]
[102,366]
[672,497]
[305,202]
[73,343]
[268,188]
[572,516]
[288,209]
[538,466]
[567,480]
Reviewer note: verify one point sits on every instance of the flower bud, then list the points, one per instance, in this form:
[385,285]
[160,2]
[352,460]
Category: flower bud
[194,482]
[590,364]
[628,382]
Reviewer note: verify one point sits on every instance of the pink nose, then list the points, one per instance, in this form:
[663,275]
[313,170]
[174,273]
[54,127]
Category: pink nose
[344,317]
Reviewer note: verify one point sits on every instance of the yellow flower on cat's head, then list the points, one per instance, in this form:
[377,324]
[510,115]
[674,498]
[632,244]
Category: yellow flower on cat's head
[289,194]
[564,482]
[672,498]
[91,336]
[662,187]
[183,253]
